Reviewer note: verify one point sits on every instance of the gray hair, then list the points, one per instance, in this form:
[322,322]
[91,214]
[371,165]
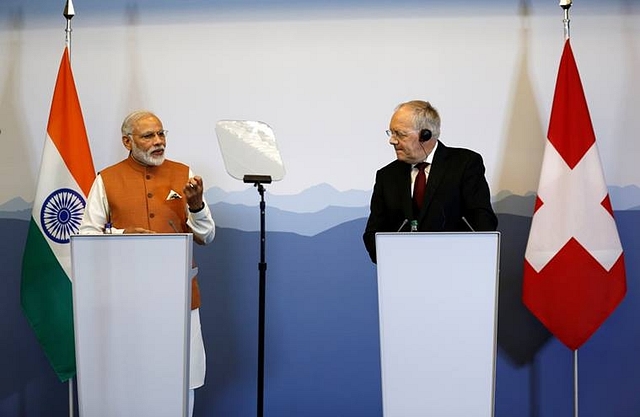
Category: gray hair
[132,118]
[425,116]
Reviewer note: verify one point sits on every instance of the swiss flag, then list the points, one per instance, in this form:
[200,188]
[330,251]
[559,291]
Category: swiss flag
[574,274]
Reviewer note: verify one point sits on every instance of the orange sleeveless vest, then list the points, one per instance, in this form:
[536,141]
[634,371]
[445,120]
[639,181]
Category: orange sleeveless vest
[137,196]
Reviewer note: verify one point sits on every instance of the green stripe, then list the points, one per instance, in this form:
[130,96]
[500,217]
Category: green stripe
[47,302]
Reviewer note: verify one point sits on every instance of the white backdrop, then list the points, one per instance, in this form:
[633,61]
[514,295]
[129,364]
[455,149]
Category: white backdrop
[327,82]
[326,76]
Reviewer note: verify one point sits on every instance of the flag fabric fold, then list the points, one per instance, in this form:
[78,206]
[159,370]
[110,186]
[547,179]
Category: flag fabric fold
[66,175]
[574,273]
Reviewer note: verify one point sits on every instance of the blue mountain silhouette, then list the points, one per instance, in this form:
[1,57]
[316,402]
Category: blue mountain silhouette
[310,200]
[322,207]
[240,217]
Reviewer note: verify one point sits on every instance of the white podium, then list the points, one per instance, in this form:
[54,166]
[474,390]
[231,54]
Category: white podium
[438,296]
[131,302]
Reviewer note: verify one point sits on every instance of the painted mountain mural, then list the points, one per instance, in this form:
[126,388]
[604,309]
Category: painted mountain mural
[322,337]
[322,207]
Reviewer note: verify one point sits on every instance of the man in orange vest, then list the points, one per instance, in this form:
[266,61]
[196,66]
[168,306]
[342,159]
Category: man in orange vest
[146,193]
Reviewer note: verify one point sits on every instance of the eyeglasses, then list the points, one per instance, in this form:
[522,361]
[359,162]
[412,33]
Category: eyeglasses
[162,134]
[397,134]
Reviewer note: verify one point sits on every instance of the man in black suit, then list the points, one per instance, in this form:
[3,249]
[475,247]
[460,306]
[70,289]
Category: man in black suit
[456,196]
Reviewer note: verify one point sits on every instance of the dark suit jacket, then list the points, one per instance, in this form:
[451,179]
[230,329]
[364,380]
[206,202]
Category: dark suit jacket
[456,187]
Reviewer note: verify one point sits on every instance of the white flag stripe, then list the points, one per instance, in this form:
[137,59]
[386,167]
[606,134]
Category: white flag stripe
[53,175]
[578,193]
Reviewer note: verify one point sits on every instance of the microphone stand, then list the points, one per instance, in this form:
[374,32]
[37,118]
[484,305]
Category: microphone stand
[257,181]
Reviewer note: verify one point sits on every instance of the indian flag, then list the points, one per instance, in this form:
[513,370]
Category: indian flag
[66,175]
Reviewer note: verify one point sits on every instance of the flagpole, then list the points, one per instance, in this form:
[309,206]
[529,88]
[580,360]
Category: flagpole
[68,14]
[566,5]
[575,382]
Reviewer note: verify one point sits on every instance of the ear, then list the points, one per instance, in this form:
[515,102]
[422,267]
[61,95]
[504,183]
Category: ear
[126,141]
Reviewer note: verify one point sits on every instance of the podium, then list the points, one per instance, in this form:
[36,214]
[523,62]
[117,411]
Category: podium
[131,302]
[438,296]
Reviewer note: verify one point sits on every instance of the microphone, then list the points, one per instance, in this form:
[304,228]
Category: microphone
[464,219]
[404,223]
[173,226]
[108,225]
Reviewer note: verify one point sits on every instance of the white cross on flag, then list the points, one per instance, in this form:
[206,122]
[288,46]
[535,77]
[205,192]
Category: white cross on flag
[574,274]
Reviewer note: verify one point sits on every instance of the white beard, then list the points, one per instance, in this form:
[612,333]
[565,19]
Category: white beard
[147,158]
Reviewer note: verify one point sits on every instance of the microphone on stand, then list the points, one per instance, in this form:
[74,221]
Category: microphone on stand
[404,223]
[464,219]
[108,225]
[173,226]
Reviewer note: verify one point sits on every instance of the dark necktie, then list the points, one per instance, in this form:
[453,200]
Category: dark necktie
[419,185]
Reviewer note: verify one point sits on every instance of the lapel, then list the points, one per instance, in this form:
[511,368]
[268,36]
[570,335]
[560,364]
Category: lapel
[436,174]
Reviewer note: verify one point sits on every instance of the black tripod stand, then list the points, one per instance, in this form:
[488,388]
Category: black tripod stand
[257,181]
